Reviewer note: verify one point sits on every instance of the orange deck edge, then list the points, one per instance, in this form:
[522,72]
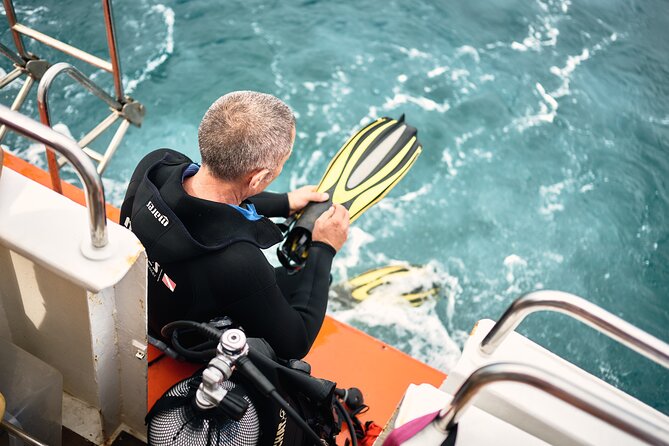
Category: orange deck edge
[340,353]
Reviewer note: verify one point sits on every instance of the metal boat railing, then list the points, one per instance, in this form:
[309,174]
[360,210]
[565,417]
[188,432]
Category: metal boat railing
[82,164]
[113,66]
[622,418]
[36,69]
[579,309]
[132,113]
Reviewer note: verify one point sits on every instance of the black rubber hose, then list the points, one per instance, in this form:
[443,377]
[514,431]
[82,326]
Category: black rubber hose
[192,354]
[349,422]
[204,328]
[249,369]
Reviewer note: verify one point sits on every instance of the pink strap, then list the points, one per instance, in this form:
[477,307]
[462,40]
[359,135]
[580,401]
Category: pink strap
[408,430]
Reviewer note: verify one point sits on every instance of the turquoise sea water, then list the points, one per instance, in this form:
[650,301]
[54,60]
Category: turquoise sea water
[545,127]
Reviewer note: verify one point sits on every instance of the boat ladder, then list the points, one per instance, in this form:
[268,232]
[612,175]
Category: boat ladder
[579,309]
[39,70]
[484,363]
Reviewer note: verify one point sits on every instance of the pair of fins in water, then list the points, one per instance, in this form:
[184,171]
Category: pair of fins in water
[362,172]
[413,284]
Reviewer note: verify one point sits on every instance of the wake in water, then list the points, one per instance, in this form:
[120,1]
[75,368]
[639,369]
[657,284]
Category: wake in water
[416,328]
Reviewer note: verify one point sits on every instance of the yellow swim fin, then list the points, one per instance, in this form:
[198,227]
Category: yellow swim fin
[364,170]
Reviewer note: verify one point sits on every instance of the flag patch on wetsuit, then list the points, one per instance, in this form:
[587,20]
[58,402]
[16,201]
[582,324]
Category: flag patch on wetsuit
[169,283]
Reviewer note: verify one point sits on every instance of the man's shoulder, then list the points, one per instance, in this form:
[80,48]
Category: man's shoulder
[167,156]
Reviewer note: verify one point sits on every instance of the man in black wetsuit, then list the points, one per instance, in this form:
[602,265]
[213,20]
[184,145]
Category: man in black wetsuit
[203,228]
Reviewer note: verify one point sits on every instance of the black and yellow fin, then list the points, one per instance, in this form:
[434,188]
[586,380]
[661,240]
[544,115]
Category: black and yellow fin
[363,285]
[362,172]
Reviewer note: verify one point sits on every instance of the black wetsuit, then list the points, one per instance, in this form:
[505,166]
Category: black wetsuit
[205,259]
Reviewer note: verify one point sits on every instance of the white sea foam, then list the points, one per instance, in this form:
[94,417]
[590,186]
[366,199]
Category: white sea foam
[549,105]
[513,263]
[468,51]
[547,111]
[27,14]
[413,53]
[423,102]
[417,331]
[565,72]
[448,159]
[554,256]
[550,196]
[461,139]
[608,374]
[114,190]
[305,170]
[437,71]
[516,275]
[335,129]
[459,73]
[350,255]
[545,34]
[482,154]
[372,114]
[163,51]
[661,121]
[411,196]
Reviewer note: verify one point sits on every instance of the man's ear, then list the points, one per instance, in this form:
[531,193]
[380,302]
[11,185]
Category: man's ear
[257,179]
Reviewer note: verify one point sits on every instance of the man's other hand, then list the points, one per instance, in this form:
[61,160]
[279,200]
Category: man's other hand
[332,227]
[301,197]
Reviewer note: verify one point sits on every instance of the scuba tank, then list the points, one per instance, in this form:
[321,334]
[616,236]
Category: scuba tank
[246,396]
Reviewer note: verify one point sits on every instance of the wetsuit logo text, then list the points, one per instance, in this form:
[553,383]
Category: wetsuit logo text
[280,429]
[163,220]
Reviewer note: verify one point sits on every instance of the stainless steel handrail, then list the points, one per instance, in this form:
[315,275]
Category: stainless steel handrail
[582,310]
[131,112]
[93,188]
[571,394]
[63,67]
[43,105]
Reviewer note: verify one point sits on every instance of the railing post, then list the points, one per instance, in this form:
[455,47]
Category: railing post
[11,19]
[113,52]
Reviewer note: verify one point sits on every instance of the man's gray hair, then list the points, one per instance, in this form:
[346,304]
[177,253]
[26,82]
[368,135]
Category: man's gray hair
[244,131]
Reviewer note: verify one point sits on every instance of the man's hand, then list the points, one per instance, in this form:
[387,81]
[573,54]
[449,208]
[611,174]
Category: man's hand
[301,197]
[332,227]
